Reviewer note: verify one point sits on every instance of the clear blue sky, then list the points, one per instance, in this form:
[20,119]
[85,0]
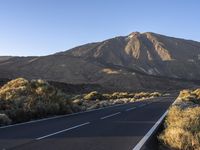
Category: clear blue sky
[40,27]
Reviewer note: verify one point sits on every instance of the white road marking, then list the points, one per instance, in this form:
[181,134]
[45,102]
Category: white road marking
[145,138]
[74,127]
[62,116]
[130,109]
[110,115]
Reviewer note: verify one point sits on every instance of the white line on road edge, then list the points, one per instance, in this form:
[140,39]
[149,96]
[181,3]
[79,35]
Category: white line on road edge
[67,115]
[110,115]
[61,116]
[145,138]
[74,127]
[130,109]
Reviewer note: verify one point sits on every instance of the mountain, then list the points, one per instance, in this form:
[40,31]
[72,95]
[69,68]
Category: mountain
[137,61]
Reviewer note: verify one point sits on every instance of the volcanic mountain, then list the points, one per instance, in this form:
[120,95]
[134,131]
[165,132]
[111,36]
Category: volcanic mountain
[137,61]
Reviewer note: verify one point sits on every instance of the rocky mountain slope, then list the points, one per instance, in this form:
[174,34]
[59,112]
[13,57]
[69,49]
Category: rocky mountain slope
[137,61]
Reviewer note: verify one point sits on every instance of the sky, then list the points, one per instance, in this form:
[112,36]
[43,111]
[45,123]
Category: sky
[42,27]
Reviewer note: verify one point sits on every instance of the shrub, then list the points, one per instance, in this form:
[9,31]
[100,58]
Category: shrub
[182,129]
[197,96]
[93,96]
[14,88]
[24,100]
[119,95]
[197,93]
[142,95]
[4,120]
[155,94]
[182,124]
[186,95]
[107,96]
[190,96]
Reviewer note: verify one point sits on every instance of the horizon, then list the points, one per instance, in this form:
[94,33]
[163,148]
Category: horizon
[38,28]
[91,42]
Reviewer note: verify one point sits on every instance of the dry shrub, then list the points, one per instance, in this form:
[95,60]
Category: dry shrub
[186,95]
[14,88]
[95,100]
[182,129]
[93,96]
[190,96]
[155,94]
[119,95]
[197,95]
[142,95]
[24,100]
[107,96]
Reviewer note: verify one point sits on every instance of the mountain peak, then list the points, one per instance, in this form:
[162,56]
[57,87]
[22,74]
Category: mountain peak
[133,34]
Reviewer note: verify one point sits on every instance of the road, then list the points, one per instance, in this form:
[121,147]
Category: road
[114,128]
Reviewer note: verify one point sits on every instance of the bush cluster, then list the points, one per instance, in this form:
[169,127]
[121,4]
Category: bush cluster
[23,100]
[94,100]
[119,95]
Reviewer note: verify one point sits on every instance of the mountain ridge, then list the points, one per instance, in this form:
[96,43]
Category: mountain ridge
[125,59]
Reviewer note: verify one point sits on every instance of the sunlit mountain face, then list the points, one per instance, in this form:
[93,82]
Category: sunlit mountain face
[136,61]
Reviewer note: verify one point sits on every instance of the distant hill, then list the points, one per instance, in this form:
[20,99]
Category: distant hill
[137,61]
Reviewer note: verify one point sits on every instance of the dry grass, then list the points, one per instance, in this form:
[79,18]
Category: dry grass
[182,124]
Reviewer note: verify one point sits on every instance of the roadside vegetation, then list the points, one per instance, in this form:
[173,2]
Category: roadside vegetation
[22,100]
[182,124]
[95,100]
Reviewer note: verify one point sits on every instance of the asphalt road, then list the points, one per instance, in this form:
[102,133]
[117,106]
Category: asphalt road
[115,128]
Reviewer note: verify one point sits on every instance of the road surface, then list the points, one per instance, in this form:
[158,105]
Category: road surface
[114,128]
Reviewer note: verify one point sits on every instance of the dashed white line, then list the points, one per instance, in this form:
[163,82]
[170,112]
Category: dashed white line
[61,116]
[74,127]
[130,109]
[110,115]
